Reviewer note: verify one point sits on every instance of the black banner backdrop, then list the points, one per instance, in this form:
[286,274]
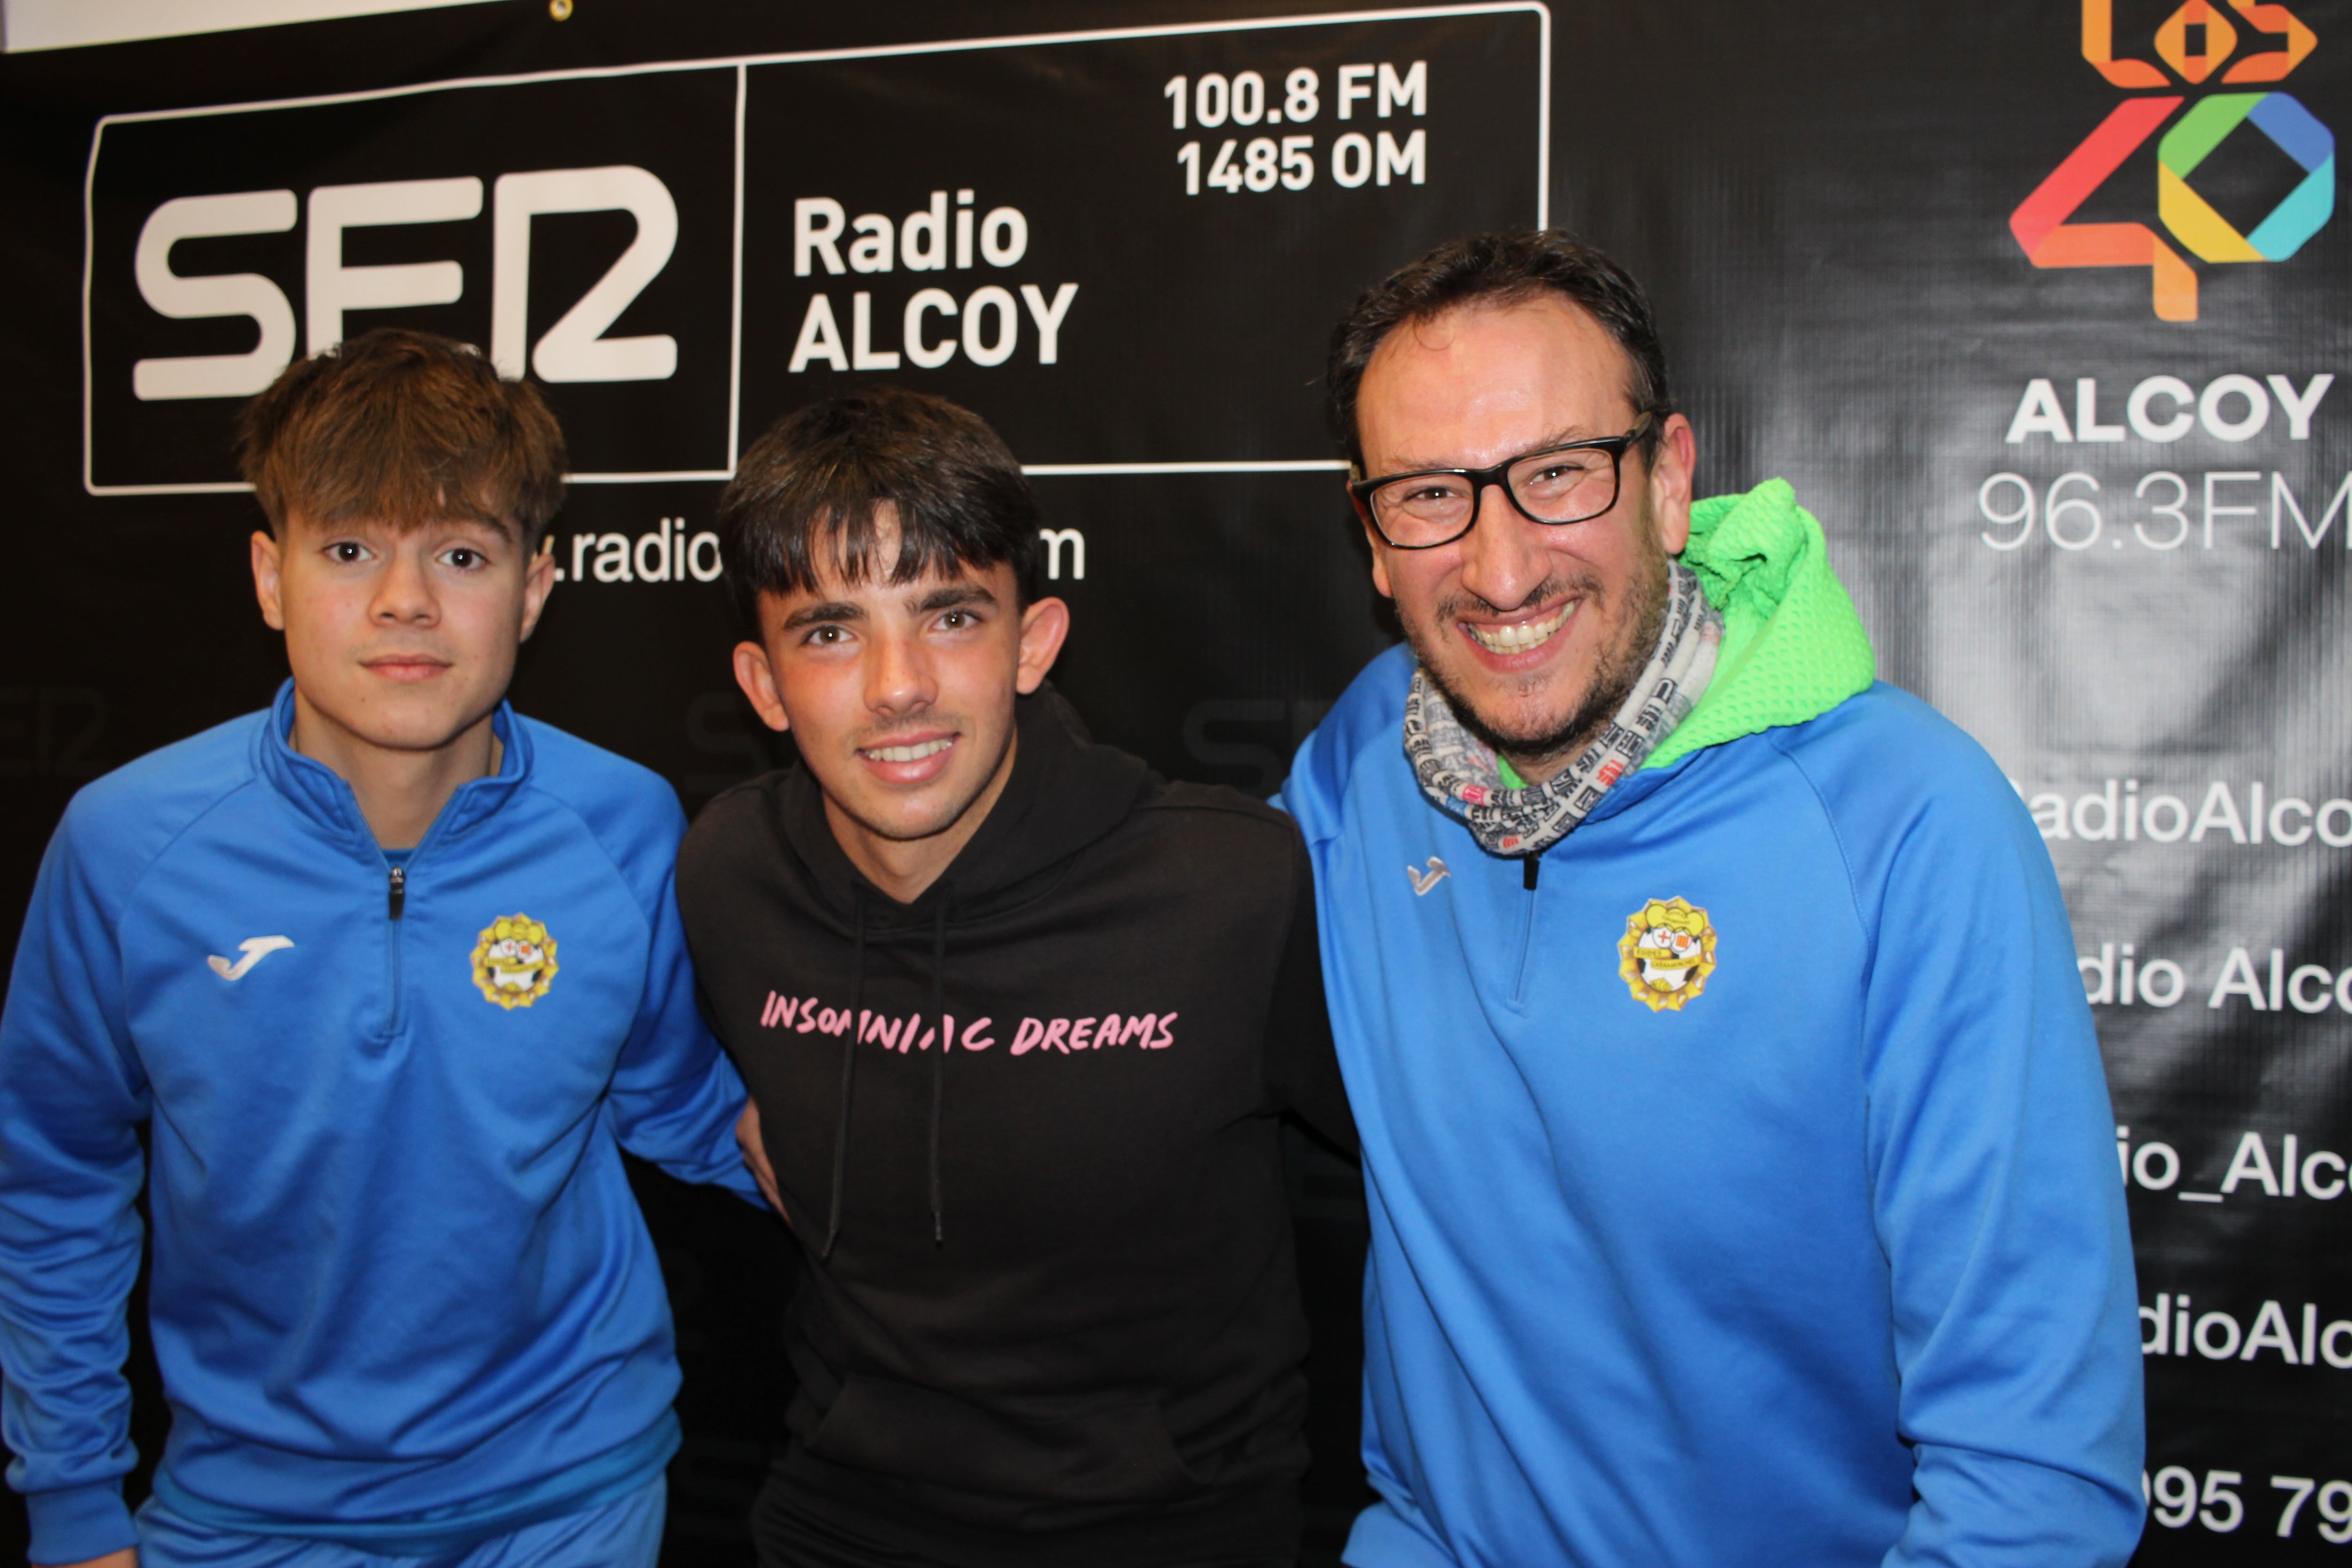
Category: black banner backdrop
[2040,307]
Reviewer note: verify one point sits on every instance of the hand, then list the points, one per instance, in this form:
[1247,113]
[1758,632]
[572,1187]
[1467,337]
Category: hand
[755,1156]
[126,1558]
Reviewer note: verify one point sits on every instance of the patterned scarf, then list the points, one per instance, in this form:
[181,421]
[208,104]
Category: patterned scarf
[1459,772]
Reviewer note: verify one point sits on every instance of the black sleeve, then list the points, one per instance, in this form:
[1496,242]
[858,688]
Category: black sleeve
[1302,1069]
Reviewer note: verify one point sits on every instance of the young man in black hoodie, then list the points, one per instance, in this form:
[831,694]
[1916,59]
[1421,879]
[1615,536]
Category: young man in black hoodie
[1019,1019]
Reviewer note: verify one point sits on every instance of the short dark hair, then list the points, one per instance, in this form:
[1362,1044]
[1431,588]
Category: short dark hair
[810,486]
[405,428]
[1504,267]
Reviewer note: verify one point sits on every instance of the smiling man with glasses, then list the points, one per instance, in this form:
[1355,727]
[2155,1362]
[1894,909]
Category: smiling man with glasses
[1732,1120]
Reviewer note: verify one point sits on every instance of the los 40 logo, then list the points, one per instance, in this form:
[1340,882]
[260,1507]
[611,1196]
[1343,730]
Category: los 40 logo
[2263,44]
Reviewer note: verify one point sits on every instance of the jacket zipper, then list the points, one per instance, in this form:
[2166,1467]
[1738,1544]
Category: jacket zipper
[395,902]
[1526,926]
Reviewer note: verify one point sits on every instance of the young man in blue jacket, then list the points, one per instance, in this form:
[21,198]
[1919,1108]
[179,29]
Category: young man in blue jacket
[391,975]
[1742,1168]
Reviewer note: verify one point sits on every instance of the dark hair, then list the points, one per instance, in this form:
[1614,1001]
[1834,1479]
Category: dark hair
[405,428]
[1505,267]
[810,484]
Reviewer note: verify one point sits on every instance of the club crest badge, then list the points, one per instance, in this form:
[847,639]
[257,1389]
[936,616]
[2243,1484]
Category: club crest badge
[514,963]
[1667,953]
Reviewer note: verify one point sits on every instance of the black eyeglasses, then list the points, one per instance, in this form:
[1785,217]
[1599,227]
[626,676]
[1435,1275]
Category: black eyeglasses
[1573,482]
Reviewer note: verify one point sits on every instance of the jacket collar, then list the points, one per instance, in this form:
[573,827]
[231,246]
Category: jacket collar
[321,797]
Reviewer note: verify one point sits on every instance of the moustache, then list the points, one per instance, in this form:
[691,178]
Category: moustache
[1558,586]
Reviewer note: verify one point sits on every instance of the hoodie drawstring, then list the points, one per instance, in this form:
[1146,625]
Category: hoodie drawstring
[849,1077]
[849,1074]
[938,1069]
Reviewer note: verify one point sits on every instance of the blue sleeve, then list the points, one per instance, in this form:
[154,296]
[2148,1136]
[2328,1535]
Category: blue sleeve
[1992,1165]
[1366,721]
[676,1096]
[72,1095]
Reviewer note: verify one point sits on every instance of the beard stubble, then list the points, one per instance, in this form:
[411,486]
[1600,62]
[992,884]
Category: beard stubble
[1613,677]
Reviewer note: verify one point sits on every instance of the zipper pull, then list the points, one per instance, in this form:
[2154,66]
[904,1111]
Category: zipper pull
[396,890]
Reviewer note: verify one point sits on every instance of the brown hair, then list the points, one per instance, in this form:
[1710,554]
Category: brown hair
[405,428]
[1505,267]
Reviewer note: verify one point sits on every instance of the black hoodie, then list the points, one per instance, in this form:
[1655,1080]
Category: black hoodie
[1050,1312]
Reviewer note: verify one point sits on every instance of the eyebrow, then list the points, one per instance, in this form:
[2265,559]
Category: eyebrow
[829,610]
[351,523]
[954,597]
[1566,436]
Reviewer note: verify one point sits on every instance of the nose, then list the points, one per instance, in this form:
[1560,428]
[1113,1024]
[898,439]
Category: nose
[898,676]
[404,591]
[1504,559]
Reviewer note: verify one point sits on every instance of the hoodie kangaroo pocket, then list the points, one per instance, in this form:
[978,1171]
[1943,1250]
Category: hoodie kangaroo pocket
[1070,1451]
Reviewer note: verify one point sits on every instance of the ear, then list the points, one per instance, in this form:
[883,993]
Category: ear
[757,677]
[1044,624]
[267,562]
[1671,472]
[1372,538]
[537,582]
[1380,562]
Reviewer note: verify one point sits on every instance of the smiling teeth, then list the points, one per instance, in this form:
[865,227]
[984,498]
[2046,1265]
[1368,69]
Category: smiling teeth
[1525,635]
[908,753]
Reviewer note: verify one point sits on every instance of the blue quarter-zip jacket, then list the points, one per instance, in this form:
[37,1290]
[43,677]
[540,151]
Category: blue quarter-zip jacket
[1826,1266]
[402,1295]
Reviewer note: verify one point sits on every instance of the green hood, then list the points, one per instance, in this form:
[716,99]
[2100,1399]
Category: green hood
[1793,647]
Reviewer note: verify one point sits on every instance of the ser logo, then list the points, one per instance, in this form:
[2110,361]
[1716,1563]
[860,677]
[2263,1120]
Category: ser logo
[2263,44]
[224,242]
[574,349]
